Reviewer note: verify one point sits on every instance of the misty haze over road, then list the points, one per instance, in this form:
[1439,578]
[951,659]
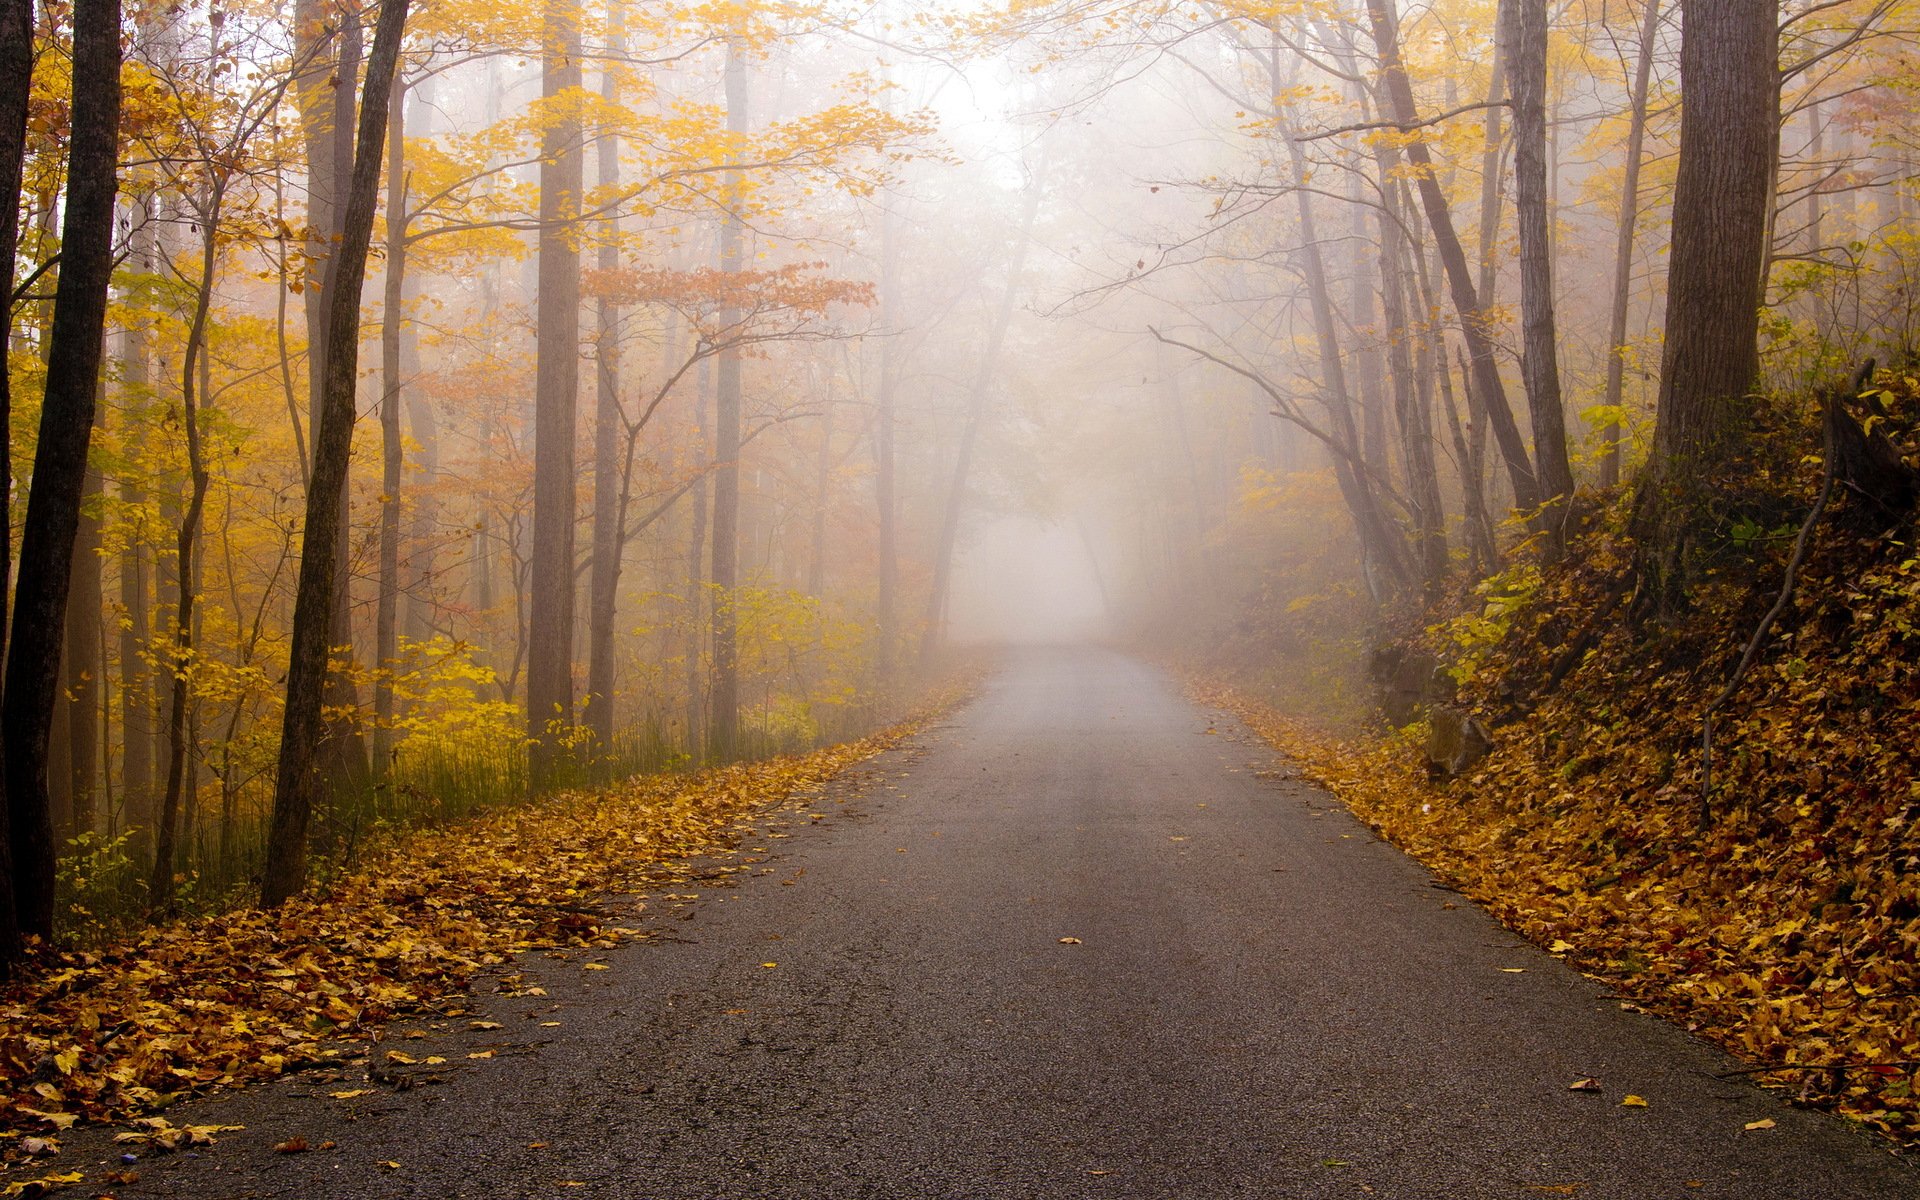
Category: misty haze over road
[1084,939]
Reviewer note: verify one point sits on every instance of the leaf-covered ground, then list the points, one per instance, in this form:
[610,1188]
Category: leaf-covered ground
[1788,929]
[250,995]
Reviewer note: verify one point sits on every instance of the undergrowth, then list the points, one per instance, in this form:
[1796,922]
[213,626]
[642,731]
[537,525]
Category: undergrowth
[1786,924]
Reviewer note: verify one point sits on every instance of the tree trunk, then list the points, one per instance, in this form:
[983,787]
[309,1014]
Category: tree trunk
[60,462]
[604,586]
[723,715]
[296,781]
[1412,408]
[1729,138]
[136,683]
[1523,25]
[886,603]
[84,662]
[386,618]
[1398,93]
[556,386]
[1623,246]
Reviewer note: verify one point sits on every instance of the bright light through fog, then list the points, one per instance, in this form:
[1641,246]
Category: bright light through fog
[1022,581]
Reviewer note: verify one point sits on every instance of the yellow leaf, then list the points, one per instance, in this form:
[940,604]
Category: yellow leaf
[769,966]
[1766,1123]
[1561,946]
[67,1060]
[1632,1101]
[481,1054]
[1070,941]
[597,967]
[350,1093]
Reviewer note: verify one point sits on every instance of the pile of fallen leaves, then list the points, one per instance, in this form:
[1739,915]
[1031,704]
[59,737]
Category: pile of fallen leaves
[115,1034]
[1787,927]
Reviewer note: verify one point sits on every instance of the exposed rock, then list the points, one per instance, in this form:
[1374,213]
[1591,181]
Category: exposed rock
[1409,681]
[1455,741]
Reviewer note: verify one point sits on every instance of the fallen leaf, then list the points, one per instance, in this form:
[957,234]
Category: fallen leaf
[597,967]
[391,1165]
[1633,1101]
[29,1188]
[1513,970]
[1562,946]
[293,1145]
[1584,1085]
[481,1054]
[769,966]
[39,1147]
[1766,1123]
[1070,941]
[350,1093]
[481,1026]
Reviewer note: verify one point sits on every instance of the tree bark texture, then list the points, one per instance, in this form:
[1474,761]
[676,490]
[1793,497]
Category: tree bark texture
[723,709]
[1623,244]
[1523,26]
[296,781]
[1398,101]
[1722,202]
[604,584]
[60,460]
[555,419]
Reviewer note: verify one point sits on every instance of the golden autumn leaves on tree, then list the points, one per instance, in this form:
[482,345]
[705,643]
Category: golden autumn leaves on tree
[710,354]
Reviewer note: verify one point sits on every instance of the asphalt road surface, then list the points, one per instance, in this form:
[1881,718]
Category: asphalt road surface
[1259,999]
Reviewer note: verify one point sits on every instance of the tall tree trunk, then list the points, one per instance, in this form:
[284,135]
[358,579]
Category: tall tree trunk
[60,461]
[696,674]
[1490,156]
[723,716]
[1623,245]
[16,88]
[136,682]
[1523,26]
[84,660]
[1412,410]
[886,602]
[296,781]
[556,386]
[325,99]
[822,496]
[386,617]
[1722,200]
[1398,95]
[604,585]
[977,398]
[180,647]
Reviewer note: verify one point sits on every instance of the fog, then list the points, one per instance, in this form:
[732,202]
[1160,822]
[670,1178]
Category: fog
[721,367]
[1023,582]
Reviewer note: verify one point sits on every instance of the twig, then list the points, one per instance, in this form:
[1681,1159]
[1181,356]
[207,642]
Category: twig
[1857,1066]
[1799,556]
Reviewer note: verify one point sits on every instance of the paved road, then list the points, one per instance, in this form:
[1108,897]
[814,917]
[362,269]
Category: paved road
[1263,1001]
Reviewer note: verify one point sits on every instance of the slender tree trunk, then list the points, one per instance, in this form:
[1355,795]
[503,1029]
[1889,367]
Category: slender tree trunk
[1411,410]
[1490,159]
[180,648]
[1524,29]
[886,602]
[822,497]
[1722,201]
[696,673]
[1623,245]
[60,462]
[604,585]
[386,618]
[296,782]
[723,716]
[1474,319]
[84,659]
[136,682]
[556,387]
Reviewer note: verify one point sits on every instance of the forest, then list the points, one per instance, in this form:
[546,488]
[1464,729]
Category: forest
[416,410]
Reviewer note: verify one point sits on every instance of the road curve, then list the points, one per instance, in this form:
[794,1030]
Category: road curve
[1083,940]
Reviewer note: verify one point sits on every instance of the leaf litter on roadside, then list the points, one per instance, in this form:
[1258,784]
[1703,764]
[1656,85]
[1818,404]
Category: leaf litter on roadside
[119,1033]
